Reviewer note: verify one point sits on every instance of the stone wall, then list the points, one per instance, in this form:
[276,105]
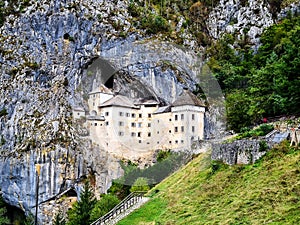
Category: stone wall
[240,151]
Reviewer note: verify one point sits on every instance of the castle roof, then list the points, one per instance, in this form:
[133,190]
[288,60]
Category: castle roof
[119,100]
[187,98]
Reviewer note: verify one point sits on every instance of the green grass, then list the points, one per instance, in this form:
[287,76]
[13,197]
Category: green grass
[267,192]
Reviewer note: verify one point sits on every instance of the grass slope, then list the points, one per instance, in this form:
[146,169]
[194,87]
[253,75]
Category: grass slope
[204,192]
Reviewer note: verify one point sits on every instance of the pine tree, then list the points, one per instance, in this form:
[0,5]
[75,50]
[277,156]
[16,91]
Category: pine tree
[80,212]
[59,220]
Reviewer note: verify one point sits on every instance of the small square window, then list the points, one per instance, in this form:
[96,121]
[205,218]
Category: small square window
[170,131]
[106,123]
[96,124]
[182,116]
[132,134]
[157,121]
[176,129]
[176,117]
[170,142]
[193,129]
[140,115]
[139,124]
[133,115]
[149,134]
[157,132]
[121,123]
[106,113]
[121,114]
[182,141]
[139,134]
[158,142]
[149,115]
[140,141]
[193,116]
[170,119]
[127,114]
[149,124]
[182,129]
[176,142]
[121,133]
[132,124]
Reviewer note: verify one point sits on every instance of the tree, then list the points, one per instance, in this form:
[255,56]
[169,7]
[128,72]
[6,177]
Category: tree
[104,205]
[141,184]
[80,213]
[59,220]
[3,217]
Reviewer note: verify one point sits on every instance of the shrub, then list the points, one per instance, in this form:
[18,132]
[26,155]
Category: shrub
[140,184]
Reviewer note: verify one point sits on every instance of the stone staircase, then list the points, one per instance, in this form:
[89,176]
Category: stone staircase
[132,202]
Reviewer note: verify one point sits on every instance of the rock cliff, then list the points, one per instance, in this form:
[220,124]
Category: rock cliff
[47,48]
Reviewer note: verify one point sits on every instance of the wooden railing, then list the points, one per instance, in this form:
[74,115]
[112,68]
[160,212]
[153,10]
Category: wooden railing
[125,204]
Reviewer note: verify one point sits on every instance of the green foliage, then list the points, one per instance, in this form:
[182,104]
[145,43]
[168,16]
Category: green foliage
[3,217]
[262,130]
[104,205]
[154,174]
[59,220]
[80,213]
[3,112]
[140,184]
[264,84]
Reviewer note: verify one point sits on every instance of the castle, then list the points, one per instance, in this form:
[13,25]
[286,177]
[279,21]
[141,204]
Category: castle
[125,126]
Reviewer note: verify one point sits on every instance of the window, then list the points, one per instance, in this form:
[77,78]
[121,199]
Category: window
[170,142]
[140,141]
[121,123]
[127,114]
[149,124]
[170,131]
[133,115]
[106,123]
[132,134]
[193,129]
[93,103]
[157,121]
[182,141]
[149,134]
[176,117]
[149,115]
[182,129]
[182,117]
[176,129]
[140,115]
[132,124]
[121,114]
[139,124]
[176,142]
[157,132]
[121,133]
[170,119]
[96,124]
[139,134]
[193,116]
[158,142]
[78,114]
[106,113]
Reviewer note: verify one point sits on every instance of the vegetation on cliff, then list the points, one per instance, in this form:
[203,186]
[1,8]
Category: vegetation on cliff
[205,192]
[263,83]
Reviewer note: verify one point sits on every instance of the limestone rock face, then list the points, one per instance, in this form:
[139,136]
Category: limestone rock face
[244,19]
[45,53]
